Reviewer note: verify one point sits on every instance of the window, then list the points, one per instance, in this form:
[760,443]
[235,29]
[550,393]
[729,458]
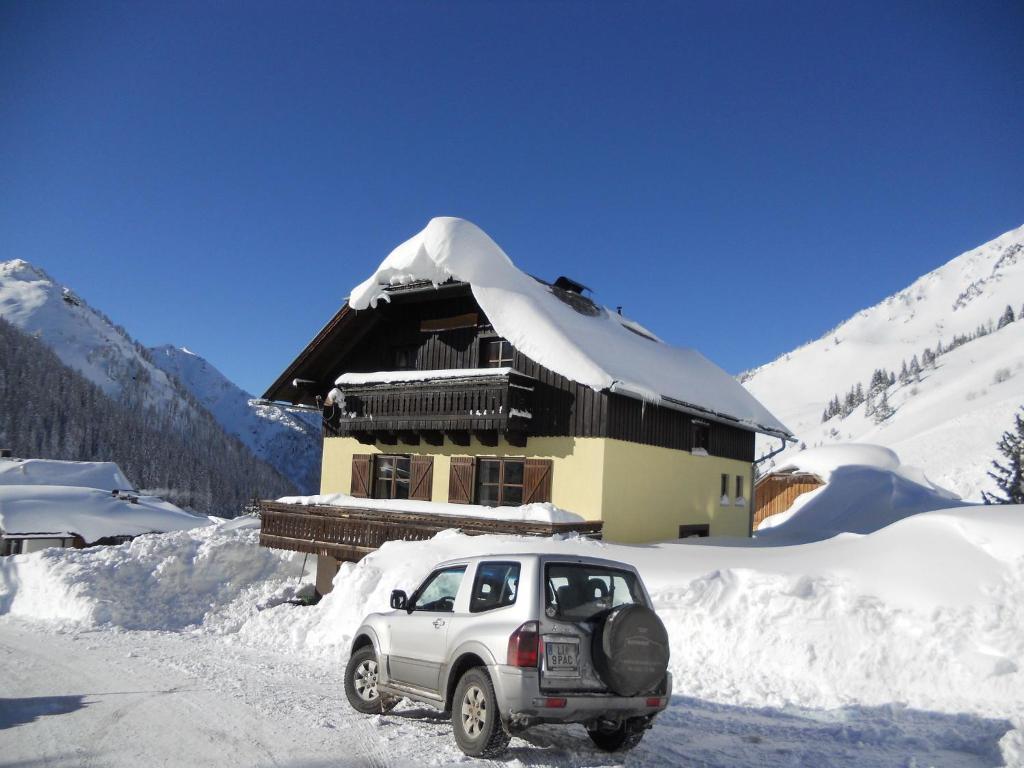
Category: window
[495,586]
[10,546]
[739,490]
[694,531]
[701,436]
[405,357]
[439,591]
[499,482]
[391,477]
[495,353]
[579,592]
[725,490]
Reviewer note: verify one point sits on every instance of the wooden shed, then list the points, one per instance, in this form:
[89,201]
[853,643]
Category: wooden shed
[776,492]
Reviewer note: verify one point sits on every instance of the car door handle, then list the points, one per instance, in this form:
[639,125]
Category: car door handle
[438,623]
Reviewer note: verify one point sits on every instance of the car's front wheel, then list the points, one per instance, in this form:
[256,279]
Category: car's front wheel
[361,675]
[475,719]
[620,739]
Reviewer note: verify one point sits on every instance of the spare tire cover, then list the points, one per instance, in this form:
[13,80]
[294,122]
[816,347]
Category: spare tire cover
[630,650]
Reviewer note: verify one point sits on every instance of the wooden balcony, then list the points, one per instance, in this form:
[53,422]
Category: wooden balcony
[351,533]
[482,403]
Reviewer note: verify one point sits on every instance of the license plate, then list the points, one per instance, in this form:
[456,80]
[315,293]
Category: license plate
[561,655]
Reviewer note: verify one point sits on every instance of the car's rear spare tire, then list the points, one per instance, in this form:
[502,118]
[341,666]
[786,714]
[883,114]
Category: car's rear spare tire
[630,650]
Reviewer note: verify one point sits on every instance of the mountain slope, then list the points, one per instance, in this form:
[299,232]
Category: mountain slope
[287,440]
[946,419]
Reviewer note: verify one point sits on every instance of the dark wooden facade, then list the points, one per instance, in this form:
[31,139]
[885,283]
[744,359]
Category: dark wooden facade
[444,329]
[776,492]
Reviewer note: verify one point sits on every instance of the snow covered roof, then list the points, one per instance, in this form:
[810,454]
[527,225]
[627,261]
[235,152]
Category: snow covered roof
[396,377]
[598,348]
[85,474]
[89,512]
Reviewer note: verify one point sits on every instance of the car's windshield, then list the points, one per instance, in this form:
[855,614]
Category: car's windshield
[578,591]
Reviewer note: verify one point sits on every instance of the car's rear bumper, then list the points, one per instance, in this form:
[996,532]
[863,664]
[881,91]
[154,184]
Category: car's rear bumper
[522,703]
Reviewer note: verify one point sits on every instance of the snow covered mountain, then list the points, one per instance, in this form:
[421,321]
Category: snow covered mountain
[165,378]
[947,412]
[287,440]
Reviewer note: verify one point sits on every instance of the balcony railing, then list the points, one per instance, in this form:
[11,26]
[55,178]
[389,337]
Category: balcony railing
[350,533]
[476,402]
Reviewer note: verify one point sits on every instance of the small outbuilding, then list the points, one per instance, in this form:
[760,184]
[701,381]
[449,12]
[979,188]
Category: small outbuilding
[776,491]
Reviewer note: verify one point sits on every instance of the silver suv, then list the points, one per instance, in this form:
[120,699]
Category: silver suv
[506,642]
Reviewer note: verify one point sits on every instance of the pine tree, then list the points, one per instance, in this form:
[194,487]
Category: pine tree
[883,410]
[1007,317]
[904,373]
[1009,477]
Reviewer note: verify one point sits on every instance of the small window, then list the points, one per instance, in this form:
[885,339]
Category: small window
[404,357]
[495,353]
[694,531]
[499,482]
[725,490]
[391,477]
[739,490]
[437,594]
[495,586]
[701,436]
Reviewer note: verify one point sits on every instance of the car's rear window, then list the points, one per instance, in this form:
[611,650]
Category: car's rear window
[576,591]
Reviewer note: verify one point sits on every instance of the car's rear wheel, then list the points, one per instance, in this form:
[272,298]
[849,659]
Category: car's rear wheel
[361,675]
[620,739]
[475,718]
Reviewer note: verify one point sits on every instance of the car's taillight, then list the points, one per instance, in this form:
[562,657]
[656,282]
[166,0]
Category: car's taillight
[524,645]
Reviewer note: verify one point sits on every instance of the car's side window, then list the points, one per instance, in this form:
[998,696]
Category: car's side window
[495,586]
[439,590]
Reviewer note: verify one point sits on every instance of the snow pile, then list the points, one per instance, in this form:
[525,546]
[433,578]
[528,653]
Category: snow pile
[398,377]
[947,423]
[866,488]
[85,474]
[531,513]
[601,349]
[89,512]
[214,576]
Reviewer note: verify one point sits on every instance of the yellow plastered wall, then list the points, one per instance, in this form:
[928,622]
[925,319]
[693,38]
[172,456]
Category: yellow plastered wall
[642,493]
[649,492]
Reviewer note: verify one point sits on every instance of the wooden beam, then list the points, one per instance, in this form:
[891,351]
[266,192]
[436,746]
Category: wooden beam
[408,438]
[488,437]
[468,320]
[432,437]
[459,437]
[518,439]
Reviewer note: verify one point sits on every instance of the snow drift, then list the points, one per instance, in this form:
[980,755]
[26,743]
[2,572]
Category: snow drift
[866,488]
[601,348]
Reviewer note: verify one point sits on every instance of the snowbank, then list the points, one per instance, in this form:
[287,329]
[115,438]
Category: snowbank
[600,349]
[214,576]
[91,513]
[866,488]
[532,513]
[85,474]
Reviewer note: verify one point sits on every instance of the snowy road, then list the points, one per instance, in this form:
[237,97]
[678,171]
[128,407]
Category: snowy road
[110,698]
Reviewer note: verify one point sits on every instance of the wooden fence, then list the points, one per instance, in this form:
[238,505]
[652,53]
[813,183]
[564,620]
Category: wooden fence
[350,533]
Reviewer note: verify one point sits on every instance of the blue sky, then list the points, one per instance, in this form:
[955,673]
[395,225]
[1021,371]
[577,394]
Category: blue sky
[739,176]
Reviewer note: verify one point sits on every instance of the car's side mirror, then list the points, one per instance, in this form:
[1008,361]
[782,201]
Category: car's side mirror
[398,599]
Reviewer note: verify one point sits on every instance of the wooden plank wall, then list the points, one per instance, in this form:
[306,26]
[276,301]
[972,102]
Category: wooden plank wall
[776,493]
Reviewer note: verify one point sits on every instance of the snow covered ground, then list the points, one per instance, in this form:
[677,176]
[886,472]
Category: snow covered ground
[947,423]
[900,647]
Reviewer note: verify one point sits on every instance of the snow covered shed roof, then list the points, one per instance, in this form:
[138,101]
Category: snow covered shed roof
[589,344]
[84,474]
[91,513]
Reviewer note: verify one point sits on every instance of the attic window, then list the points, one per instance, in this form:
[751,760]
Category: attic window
[577,301]
[495,353]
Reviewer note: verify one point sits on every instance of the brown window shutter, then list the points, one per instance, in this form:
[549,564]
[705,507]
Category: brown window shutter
[537,480]
[361,463]
[460,480]
[421,477]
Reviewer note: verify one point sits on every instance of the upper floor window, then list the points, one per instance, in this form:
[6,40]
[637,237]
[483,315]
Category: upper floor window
[495,353]
[391,477]
[499,482]
[739,490]
[725,490]
[701,435]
